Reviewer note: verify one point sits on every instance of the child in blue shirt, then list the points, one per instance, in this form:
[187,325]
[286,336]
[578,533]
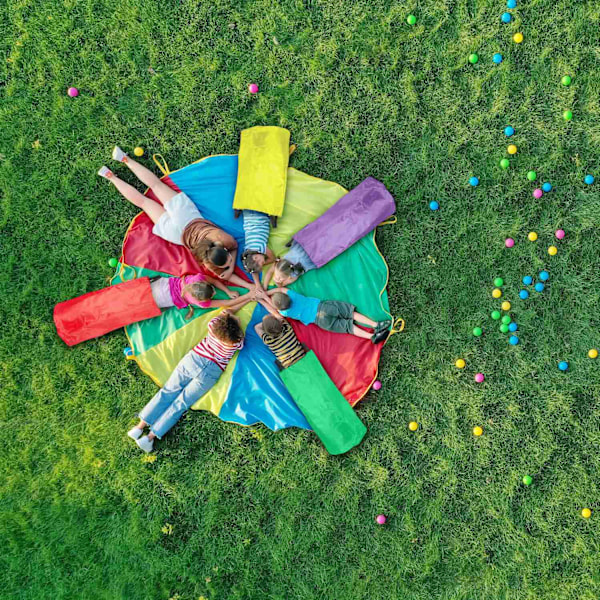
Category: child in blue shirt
[330,315]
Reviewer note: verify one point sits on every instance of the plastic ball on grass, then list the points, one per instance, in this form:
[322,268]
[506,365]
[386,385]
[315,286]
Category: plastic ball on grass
[509,242]
[523,294]
[497,58]
[433,205]
[477,431]
[508,131]
[593,353]
[512,149]
[413,426]
[498,282]
[496,293]
[552,250]
[477,331]
[563,365]
[473,58]
[560,234]
[127,352]
[566,80]
[544,275]
[527,480]
[113,262]
[474,181]
[518,38]
[411,19]
[377,385]
[504,328]
[546,187]
[586,513]
[588,179]
[73,92]
[513,340]
[531,175]
[532,236]
[479,377]
[253,88]
[504,163]
[495,315]
[511,4]
[505,305]
[460,364]
[138,151]
[506,319]
[527,280]
[567,115]
[539,287]
[537,193]
[380,519]
[512,327]
[506,17]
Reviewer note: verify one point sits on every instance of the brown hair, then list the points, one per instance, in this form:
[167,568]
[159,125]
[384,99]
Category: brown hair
[249,261]
[227,329]
[285,267]
[272,325]
[281,301]
[200,291]
[211,253]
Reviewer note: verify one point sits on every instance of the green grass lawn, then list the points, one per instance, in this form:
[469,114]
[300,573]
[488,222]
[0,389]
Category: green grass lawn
[228,512]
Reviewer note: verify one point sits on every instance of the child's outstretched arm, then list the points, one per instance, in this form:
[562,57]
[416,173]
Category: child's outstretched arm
[277,289]
[221,286]
[268,276]
[269,307]
[271,258]
[239,282]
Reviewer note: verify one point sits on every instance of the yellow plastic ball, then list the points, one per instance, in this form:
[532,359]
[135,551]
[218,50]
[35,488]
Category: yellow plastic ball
[138,151]
[413,426]
[552,250]
[593,353]
[506,305]
[497,293]
[461,364]
[512,149]
[586,513]
[532,236]
[518,38]
[477,431]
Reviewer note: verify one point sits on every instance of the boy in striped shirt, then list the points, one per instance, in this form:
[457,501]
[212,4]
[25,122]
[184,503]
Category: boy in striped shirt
[193,377]
[281,339]
[256,233]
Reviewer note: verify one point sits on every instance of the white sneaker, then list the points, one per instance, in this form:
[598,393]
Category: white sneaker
[105,172]
[135,433]
[145,443]
[118,154]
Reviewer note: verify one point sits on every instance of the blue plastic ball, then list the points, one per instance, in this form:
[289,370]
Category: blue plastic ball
[514,340]
[474,181]
[511,4]
[433,205]
[544,275]
[506,17]
[497,58]
[539,287]
[513,326]
[127,351]
[563,365]
[546,187]
[589,179]
[523,294]
[508,131]
[527,280]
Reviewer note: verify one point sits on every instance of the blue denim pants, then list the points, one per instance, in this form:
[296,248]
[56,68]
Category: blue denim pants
[191,379]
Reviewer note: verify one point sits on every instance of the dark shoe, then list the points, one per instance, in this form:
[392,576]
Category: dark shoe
[383,326]
[380,336]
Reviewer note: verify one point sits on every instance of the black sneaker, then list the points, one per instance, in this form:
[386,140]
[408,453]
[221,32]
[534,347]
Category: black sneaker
[380,336]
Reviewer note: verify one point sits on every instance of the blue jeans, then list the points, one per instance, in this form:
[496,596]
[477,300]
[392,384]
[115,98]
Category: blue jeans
[191,379]
[297,254]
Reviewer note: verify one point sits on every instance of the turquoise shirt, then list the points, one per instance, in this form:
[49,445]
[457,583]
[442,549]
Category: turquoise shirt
[303,308]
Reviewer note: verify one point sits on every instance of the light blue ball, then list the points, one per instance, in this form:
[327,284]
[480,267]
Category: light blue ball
[508,131]
[544,275]
[589,179]
[511,4]
[433,205]
[563,365]
[527,280]
[539,287]
[523,294]
[513,326]
[546,187]
[506,17]
[474,181]
[497,58]
[127,351]
[514,340]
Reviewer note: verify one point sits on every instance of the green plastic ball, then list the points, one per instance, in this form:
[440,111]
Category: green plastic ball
[504,328]
[473,58]
[532,175]
[113,262]
[566,80]
[504,163]
[477,331]
[411,19]
[567,115]
[498,282]
[527,480]
[506,319]
[495,315]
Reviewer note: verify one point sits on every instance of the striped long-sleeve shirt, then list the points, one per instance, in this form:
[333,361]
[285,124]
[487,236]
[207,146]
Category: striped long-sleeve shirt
[257,227]
[216,350]
[286,346]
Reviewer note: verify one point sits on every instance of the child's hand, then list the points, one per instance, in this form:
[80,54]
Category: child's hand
[233,294]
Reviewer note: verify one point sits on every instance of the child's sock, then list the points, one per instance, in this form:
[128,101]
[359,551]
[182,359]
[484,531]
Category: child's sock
[119,155]
[145,443]
[105,172]
[134,433]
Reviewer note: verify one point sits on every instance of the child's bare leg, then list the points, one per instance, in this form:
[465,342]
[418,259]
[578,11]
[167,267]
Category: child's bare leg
[153,209]
[151,436]
[163,192]
[364,320]
[142,424]
[361,333]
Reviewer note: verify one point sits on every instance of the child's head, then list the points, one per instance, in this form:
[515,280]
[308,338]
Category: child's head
[212,254]
[272,325]
[286,272]
[200,290]
[228,329]
[253,261]
[281,301]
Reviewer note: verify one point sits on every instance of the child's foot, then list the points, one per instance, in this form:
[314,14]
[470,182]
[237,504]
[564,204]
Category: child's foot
[145,443]
[119,155]
[383,326]
[105,172]
[380,336]
[134,433]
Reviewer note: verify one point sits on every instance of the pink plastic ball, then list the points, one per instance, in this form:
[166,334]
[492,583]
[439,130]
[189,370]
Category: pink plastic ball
[479,377]
[253,88]
[381,519]
[377,385]
[537,193]
[560,234]
[509,242]
[73,91]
